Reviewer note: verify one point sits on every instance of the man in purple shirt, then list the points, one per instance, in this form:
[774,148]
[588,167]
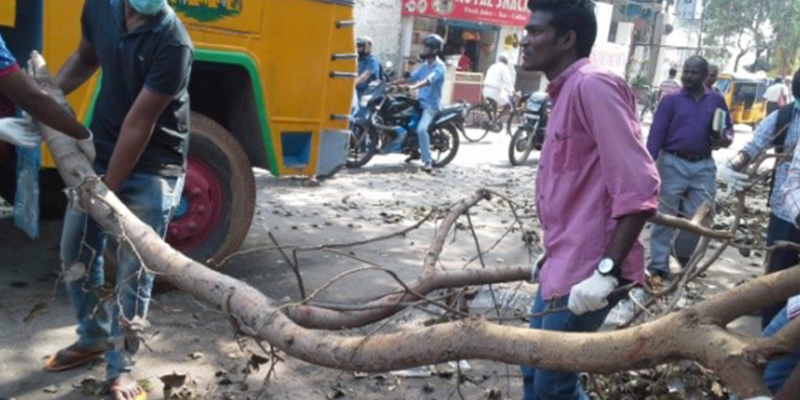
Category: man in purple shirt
[681,139]
[596,185]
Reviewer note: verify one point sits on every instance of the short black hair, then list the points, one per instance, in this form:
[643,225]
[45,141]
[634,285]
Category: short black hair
[702,60]
[571,15]
[779,80]
[673,72]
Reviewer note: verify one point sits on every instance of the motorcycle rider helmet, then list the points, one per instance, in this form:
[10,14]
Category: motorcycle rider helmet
[433,46]
[364,46]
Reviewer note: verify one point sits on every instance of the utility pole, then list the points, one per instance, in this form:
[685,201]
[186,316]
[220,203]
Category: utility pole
[655,39]
[702,25]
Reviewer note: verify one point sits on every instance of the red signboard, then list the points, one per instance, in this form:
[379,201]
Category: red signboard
[496,12]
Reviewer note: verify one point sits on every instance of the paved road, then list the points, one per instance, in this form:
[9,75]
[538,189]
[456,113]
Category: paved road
[383,197]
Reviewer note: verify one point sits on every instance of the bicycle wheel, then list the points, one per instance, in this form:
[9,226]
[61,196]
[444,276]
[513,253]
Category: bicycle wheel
[478,118]
[515,119]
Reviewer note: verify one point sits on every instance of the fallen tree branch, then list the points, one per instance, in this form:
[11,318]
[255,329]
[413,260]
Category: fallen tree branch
[696,333]
[689,226]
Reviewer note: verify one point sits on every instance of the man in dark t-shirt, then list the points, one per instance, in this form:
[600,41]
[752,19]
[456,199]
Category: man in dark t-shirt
[141,132]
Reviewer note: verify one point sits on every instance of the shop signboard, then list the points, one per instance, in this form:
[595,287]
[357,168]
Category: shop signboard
[495,12]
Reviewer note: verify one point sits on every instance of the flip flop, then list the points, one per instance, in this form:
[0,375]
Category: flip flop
[71,357]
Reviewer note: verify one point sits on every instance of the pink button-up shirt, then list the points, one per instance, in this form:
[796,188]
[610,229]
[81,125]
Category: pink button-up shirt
[593,170]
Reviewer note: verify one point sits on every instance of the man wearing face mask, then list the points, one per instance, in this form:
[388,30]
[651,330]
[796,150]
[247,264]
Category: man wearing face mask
[141,132]
[780,131]
[369,68]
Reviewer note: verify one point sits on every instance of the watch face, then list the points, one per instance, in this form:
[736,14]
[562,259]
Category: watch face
[606,266]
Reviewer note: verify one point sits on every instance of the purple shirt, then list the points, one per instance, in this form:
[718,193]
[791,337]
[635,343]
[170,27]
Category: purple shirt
[683,124]
[593,170]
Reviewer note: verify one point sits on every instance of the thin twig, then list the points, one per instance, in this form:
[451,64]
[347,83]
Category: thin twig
[295,267]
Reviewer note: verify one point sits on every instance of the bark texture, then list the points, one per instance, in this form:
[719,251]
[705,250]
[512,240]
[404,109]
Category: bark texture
[696,333]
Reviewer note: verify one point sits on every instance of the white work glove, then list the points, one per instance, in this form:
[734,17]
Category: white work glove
[591,294]
[537,267]
[20,132]
[736,181]
[86,146]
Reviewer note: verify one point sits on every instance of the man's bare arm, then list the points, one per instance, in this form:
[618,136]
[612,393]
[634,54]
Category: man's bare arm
[23,91]
[78,68]
[135,134]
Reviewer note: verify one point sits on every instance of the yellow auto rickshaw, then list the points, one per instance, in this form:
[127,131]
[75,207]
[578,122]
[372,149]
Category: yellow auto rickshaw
[744,94]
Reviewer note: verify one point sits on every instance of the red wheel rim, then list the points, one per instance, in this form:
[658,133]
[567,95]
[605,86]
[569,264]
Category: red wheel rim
[198,214]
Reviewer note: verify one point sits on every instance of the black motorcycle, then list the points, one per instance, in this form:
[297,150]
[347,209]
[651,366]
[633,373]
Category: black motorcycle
[384,114]
[530,135]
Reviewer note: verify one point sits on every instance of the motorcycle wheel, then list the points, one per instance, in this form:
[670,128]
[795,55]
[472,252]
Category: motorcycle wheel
[363,146]
[444,145]
[515,119]
[478,116]
[521,145]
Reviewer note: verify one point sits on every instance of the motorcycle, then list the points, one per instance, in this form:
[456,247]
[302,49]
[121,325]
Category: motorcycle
[530,135]
[384,115]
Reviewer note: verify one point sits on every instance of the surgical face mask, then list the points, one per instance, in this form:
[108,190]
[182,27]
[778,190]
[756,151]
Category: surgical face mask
[148,7]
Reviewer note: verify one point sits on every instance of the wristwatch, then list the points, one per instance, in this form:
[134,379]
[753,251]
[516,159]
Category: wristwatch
[607,267]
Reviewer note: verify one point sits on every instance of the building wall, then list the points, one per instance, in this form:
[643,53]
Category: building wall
[380,20]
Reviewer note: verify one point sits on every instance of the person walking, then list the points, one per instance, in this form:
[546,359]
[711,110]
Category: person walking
[681,139]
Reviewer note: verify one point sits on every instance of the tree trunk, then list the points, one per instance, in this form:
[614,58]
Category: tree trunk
[696,333]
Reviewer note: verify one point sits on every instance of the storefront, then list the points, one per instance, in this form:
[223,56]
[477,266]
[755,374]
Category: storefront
[476,33]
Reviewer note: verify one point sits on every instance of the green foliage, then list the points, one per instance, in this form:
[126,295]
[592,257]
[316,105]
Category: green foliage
[766,28]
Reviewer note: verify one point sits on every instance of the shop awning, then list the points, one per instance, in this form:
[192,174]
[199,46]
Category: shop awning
[494,12]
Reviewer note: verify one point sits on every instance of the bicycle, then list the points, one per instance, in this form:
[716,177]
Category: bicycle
[484,117]
[648,102]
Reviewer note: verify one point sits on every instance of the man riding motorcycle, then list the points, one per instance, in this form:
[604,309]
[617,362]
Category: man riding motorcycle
[429,79]
[369,68]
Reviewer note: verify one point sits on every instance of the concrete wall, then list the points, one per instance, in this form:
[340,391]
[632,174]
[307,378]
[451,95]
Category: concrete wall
[380,20]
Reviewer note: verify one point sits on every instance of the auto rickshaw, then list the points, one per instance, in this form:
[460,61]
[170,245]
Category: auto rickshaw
[744,94]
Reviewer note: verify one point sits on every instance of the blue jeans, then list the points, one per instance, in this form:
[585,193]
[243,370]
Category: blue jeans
[685,186]
[424,137]
[152,199]
[779,230]
[540,384]
[779,369]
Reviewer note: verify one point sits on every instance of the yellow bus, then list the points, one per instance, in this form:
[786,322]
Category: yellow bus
[271,88]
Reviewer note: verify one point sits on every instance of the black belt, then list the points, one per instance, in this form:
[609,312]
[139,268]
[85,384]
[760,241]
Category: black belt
[691,157]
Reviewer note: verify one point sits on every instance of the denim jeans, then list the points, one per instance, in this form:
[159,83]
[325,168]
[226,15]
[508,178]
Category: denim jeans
[542,384]
[685,186]
[424,137]
[779,230]
[779,369]
[152,199]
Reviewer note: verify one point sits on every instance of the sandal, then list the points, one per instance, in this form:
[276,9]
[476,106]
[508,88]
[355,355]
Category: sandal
[72,357]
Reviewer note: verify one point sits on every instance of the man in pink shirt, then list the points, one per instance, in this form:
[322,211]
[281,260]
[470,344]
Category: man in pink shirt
[596,186]
[670,85]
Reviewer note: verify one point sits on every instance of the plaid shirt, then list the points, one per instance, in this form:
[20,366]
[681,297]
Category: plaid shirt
[762,140]
[790,190]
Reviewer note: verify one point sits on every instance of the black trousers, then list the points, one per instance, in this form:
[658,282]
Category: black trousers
[772,107]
